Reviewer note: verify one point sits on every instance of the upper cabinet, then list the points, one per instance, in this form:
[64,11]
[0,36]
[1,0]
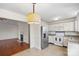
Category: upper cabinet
[43,23]
[69,26]
[77,23]
[65,26]
[56,27]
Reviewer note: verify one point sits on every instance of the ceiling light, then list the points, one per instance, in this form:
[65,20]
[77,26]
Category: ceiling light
[57,18]
[32,17]
[75,13]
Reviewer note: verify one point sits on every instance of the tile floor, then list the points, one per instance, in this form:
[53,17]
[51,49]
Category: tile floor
[51,50]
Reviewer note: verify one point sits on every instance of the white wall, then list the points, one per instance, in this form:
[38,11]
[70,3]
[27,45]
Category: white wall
[8,30]
[23,29]
[12,15]
[11,29]
[35,36]
[43,23]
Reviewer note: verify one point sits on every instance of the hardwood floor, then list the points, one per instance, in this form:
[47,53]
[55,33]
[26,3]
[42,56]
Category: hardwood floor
[11,46]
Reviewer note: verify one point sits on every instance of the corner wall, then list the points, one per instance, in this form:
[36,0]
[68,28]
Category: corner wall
[12,29]
[8,30]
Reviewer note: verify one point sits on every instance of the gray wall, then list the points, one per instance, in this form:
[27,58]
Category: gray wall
[11,29]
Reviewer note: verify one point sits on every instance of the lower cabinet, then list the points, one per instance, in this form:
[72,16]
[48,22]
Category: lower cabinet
[58,40]
[51,39]
[66,41]
[73,49]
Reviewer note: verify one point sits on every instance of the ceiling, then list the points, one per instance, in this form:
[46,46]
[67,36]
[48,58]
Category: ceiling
[48,11]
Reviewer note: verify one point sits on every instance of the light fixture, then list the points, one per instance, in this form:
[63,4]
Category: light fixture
[33,17]
[56,18]
[75,13]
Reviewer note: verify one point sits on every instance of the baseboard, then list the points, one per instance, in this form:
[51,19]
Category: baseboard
[10,39]
[57,45]
[50,43]
[65,46]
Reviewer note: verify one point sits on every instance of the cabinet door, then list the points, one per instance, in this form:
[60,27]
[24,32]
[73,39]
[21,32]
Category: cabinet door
[51,39]
[69,26]
[65,41]
[56,27]
[76,25]
[55,40]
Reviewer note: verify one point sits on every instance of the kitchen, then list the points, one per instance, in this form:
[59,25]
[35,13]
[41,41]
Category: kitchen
[65,33]
[58,26]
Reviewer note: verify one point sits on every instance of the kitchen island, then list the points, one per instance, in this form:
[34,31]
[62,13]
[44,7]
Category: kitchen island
[73,47]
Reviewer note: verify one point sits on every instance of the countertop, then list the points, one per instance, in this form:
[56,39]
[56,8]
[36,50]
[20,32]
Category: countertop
[74,41]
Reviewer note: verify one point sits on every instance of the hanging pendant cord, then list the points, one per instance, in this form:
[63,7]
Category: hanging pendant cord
[34,7]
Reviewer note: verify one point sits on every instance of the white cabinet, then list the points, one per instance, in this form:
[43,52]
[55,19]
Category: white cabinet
[35,36]
[65,41]
[71,33]
[69,26]
[51,39]
[58,40]
[77,24]
[73,49]
[56,27]
[66,26]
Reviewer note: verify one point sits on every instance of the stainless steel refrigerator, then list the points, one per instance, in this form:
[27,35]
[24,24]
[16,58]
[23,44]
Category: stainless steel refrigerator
[44,37]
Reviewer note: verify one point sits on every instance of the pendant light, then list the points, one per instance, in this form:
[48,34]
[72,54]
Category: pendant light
[33,17]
